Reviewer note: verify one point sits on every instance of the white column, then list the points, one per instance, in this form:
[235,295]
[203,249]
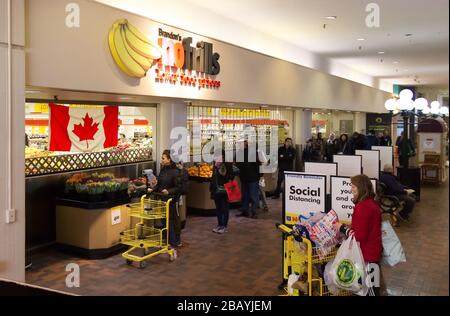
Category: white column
[12,142]
[169,115]
[302,126]
[360,123]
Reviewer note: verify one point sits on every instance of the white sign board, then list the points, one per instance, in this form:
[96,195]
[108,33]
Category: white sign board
[348,165]
[323,168]
[341,197]
[304,196]
[116,216]
[370,162]
[386,155]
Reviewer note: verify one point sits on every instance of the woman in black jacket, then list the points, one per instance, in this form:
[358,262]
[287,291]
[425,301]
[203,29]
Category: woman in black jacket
[222,173]
[168,184]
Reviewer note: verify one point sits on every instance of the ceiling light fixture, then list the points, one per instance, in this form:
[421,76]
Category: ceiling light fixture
[361,39]
[395,62]
[380,53]
[331,17]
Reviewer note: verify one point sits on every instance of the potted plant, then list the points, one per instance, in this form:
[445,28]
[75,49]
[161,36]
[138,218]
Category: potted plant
[95,191]
[123,186]
[82,191]
[111,190]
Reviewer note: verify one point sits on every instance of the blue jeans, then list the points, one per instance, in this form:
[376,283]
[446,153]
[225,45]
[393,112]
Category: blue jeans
[222,210]
[250,196]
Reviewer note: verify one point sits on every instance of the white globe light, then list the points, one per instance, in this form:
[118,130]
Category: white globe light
[406,94]
[409,104]
[390,105]
[426,110]
[444,110]
[402,104]
[420,104]
[435,104]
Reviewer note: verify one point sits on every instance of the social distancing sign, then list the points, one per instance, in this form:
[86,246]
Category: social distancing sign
[304,196]
[341,197]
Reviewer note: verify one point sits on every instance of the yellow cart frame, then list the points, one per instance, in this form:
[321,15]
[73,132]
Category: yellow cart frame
[148,237]
[295,261]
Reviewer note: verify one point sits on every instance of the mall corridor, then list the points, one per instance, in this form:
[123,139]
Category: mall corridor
[247,259]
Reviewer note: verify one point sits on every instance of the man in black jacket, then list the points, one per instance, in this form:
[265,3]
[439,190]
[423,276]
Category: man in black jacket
[286,156]
[249,175]
[394,187]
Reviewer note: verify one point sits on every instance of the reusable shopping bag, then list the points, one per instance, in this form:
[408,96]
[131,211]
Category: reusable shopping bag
[324,233]
[233,191]
[392,247]
[349,268]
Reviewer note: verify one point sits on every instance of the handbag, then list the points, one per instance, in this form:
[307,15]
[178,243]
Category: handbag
[233,191]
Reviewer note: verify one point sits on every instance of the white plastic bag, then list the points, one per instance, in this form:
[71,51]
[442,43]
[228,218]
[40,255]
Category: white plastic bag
[392,247]
[349,269]
[328,278]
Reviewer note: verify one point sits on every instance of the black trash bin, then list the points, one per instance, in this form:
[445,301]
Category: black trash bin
[410,177]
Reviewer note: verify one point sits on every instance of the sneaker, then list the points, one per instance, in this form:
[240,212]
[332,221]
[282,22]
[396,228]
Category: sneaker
[243,214]
[221,230]
[216,229]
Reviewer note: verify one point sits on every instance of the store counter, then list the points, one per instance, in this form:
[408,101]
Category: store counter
[91,230]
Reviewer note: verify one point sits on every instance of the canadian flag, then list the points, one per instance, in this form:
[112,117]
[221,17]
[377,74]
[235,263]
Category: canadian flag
[83,129]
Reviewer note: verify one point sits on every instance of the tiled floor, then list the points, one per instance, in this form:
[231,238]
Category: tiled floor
[247,259]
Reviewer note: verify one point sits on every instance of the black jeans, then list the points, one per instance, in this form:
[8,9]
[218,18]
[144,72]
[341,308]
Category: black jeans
[222,210]
[409,204]
[279,181]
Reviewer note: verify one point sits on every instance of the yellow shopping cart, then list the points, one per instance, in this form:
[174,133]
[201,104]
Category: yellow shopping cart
[302,259]
[152,240]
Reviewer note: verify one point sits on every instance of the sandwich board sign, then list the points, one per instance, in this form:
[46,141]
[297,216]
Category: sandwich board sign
[304,195]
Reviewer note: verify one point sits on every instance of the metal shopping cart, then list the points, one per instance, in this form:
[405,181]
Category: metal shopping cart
[151,239]
[301,258]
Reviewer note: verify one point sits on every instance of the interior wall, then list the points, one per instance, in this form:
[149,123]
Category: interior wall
[79,59]
[12,236]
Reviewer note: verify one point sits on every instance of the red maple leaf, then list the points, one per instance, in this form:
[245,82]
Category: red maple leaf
[87,131]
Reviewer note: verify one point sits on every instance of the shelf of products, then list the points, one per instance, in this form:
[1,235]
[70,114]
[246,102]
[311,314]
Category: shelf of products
[230,124]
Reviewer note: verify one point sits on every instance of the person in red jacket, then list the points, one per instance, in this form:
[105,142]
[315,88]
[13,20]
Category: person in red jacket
[366,221]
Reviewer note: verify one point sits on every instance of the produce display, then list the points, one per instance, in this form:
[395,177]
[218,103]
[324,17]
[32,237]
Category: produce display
[96,187]
[202,170]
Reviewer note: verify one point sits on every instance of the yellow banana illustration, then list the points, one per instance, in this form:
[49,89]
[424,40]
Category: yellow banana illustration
[144,62]
[140,44]
[127,60]
[133,52]
[114,53]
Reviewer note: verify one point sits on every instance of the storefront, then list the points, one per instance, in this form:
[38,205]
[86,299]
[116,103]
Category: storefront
[78,65]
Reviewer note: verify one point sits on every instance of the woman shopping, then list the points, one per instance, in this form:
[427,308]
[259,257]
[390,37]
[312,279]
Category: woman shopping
[222,173]
[168,184]
[366,222]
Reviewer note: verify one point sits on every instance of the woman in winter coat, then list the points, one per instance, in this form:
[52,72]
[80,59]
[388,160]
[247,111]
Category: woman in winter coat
[222,173]
[168,184]
[366,222]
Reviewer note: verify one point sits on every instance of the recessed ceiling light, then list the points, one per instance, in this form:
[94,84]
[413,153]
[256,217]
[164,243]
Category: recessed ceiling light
[395,62]
[331,17]
[380,53]
[361,39]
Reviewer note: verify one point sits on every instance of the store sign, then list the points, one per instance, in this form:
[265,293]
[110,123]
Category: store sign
[341,197]
[304,196]
[176,59]
[428,143]
[116,216]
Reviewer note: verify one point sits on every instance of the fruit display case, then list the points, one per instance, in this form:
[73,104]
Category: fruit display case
[45,165]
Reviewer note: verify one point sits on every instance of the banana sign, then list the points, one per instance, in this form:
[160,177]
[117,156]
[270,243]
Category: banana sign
[135,54]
